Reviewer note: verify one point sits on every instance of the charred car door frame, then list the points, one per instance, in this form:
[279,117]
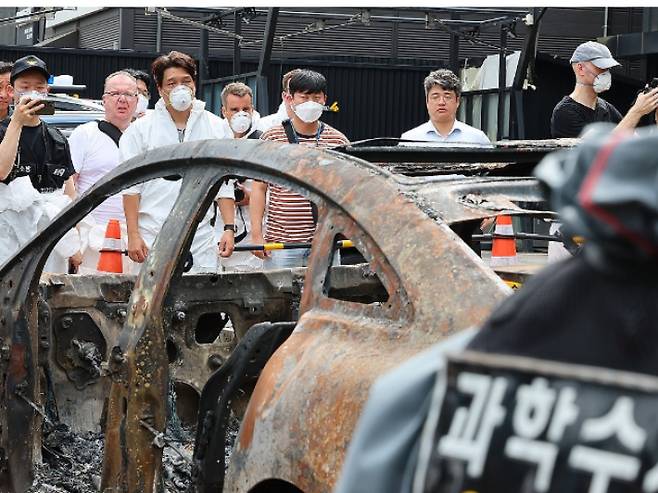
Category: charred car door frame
[139,363]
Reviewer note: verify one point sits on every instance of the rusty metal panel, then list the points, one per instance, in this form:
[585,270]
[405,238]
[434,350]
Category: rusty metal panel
[321,374]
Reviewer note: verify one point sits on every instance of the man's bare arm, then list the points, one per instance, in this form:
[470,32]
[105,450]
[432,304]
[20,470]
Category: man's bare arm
[256,214]
[69,188]
[227,241]
[137,249]
[644,104]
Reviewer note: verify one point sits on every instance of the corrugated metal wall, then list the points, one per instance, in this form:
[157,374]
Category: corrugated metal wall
[562,30]
[144,31]
[374,100]
[378,96]
[101,30]
[7,31]
[86,66]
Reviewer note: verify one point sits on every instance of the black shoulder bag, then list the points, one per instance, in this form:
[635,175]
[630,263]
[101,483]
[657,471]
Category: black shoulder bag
[110,130]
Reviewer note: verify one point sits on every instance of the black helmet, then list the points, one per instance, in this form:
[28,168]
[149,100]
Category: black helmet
[606,190]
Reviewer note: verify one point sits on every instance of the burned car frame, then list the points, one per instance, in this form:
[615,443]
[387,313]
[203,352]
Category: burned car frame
[319,373]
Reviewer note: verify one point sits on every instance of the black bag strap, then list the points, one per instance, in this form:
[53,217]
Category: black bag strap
[110,130]
[292,138]
[290,132]
[255,134]
[238,238]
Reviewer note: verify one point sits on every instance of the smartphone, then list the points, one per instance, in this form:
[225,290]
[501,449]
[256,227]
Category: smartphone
[48,108]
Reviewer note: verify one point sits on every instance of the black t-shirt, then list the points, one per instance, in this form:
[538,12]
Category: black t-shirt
[574,313]
[570,117]
[43,155]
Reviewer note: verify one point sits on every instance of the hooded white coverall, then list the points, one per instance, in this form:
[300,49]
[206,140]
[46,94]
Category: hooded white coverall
[157,197]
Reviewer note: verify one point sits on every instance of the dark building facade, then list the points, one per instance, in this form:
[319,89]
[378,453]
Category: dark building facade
[375,71]
[393,34]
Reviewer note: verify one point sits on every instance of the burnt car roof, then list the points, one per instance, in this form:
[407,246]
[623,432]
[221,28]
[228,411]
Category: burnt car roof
[459,183]
[503,158]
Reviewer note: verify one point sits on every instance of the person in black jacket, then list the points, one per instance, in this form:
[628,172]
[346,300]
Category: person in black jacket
[28,146]
[591,63]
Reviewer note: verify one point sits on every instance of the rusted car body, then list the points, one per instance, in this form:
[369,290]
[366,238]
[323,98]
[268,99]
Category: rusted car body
[122,340]
[301,415]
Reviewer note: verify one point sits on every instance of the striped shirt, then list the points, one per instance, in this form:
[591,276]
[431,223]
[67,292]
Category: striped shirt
[289,215]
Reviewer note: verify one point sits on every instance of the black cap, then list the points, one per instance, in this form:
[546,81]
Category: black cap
[26,63]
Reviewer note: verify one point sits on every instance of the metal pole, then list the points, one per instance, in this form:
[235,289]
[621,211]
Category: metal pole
[262,103]
[237,29]
[454,48]
[502,81]
[203,58]
[158,33]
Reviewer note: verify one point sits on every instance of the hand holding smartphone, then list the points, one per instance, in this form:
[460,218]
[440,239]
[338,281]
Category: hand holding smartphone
[43,99]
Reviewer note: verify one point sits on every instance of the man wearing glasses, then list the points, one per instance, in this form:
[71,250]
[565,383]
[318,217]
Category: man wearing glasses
[442,97]
[95,152]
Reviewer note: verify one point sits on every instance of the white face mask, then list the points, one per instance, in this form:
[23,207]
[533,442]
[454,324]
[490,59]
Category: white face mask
[181,97]
[142,104]
[309,112]
[602,82]
[240,122]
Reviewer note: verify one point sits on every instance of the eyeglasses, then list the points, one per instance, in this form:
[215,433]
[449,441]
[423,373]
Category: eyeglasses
[117,95]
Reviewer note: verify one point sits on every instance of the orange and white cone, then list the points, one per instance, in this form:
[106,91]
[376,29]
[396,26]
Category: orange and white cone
[503,250]
[111,258]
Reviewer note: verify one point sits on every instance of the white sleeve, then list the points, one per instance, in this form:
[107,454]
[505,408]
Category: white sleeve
[484,138]
[130,146]
[78,141]
[131,143]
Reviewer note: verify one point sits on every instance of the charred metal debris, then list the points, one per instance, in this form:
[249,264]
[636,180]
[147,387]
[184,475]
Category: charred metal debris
[130,384]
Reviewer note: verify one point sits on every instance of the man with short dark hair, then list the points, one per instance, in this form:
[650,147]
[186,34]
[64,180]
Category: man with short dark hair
[274,119]
[30,148]
[143,83]
[442,97]
[6,92]
[591,63]
[290,217]
[178,117]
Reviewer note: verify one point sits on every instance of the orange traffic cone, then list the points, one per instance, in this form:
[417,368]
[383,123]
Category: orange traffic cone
[111,256]
[503,251]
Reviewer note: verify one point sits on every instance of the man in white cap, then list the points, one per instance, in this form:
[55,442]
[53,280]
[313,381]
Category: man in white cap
[591,63]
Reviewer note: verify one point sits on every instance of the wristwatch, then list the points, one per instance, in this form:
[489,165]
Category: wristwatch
[231,227]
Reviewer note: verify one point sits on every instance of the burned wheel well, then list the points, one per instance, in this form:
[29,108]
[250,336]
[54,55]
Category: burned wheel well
[275,486]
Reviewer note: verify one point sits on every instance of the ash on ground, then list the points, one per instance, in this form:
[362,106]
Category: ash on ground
[73,462]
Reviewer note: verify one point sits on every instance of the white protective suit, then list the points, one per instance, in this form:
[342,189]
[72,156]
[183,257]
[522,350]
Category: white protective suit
[240,261]
[157,197]
[23,213]
[269,121]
